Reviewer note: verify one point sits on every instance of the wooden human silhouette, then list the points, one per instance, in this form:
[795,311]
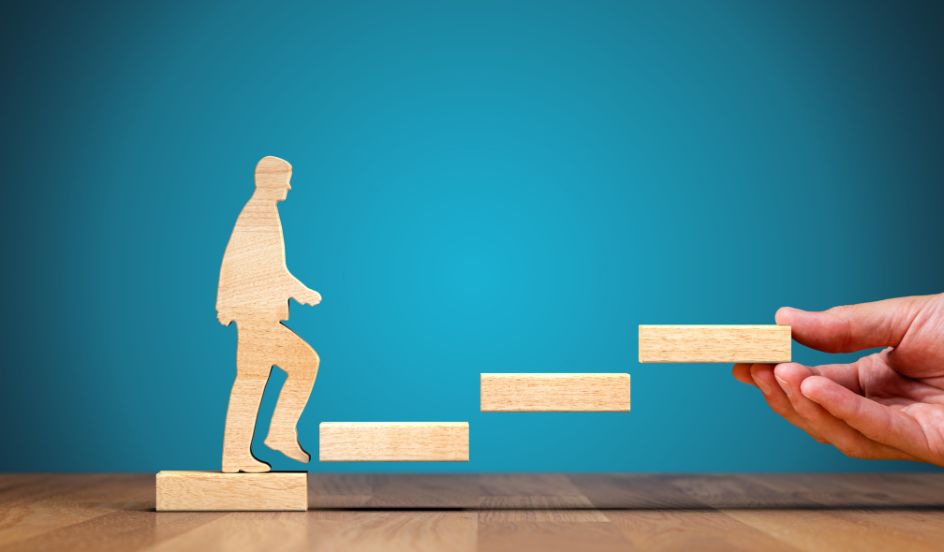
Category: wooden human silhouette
[254,289]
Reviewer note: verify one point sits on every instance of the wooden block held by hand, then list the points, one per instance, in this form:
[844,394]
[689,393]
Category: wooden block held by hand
[196,491]
[720,343]
[394,441]
[555,392]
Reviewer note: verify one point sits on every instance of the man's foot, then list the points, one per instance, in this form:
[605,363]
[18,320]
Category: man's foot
[291,449]
[248,465]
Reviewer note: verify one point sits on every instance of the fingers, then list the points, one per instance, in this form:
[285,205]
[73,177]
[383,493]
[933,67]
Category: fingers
[742,373]
[852,328]
[763,376]
[846,375]
[873,420]
[781,386]
[849,440]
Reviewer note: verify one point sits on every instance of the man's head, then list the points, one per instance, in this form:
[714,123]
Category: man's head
[272,177]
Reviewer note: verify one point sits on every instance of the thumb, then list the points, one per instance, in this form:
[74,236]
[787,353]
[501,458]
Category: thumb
[852,328]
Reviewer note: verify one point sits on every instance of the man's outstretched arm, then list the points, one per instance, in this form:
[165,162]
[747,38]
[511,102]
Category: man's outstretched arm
[302,293]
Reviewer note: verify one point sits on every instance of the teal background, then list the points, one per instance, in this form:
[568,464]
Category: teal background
[478,186]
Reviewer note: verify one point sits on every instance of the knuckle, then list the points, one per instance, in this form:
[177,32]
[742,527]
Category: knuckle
[779,406]
[844,314]
[804,411]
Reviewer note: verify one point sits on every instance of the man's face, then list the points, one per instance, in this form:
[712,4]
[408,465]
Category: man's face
[283,191]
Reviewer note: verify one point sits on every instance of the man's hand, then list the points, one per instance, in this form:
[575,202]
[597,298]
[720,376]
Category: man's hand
[307,296]
[887,405]
[224,317]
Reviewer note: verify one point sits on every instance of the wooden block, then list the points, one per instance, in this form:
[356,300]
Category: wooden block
[207,491]
[394,441]
[555,392]
[728,344]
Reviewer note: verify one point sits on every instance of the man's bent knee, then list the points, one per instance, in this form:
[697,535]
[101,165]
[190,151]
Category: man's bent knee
[304,364]
[311,362]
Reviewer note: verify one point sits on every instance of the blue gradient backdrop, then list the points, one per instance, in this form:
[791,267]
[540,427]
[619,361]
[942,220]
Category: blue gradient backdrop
[482,186]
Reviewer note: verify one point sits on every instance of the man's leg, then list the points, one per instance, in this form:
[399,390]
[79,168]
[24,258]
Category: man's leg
[300,363]
[252,373]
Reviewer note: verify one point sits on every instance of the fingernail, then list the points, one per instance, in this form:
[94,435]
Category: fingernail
[763,386]
[784,386]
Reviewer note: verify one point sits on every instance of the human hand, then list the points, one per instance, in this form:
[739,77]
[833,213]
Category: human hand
[308,296]
[887,405]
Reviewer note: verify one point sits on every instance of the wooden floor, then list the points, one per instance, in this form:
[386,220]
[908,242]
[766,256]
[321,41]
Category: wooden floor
[494,512]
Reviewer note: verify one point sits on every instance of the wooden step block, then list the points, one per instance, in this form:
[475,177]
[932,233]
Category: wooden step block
[394,442]
[728,344]
[202,491]
[555,392]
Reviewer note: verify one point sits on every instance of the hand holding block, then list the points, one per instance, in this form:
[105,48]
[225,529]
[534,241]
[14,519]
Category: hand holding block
[728,344]
[196,491]
[555,392]
[394,441]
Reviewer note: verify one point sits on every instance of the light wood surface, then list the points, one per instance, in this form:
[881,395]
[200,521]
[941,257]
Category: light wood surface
[211,491]
[493,512]
[554,392]
[254,290]
[394,441]
[706,344]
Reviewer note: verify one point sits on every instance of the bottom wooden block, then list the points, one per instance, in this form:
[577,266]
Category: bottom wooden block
[206,491]
[394,441]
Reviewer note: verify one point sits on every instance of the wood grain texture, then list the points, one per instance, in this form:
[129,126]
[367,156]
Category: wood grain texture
[708,344]
[547,512]
[196,491]
[554,392]
[394,441]
[254,290]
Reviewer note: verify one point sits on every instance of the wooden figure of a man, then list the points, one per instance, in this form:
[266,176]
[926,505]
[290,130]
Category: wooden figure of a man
[254,290]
